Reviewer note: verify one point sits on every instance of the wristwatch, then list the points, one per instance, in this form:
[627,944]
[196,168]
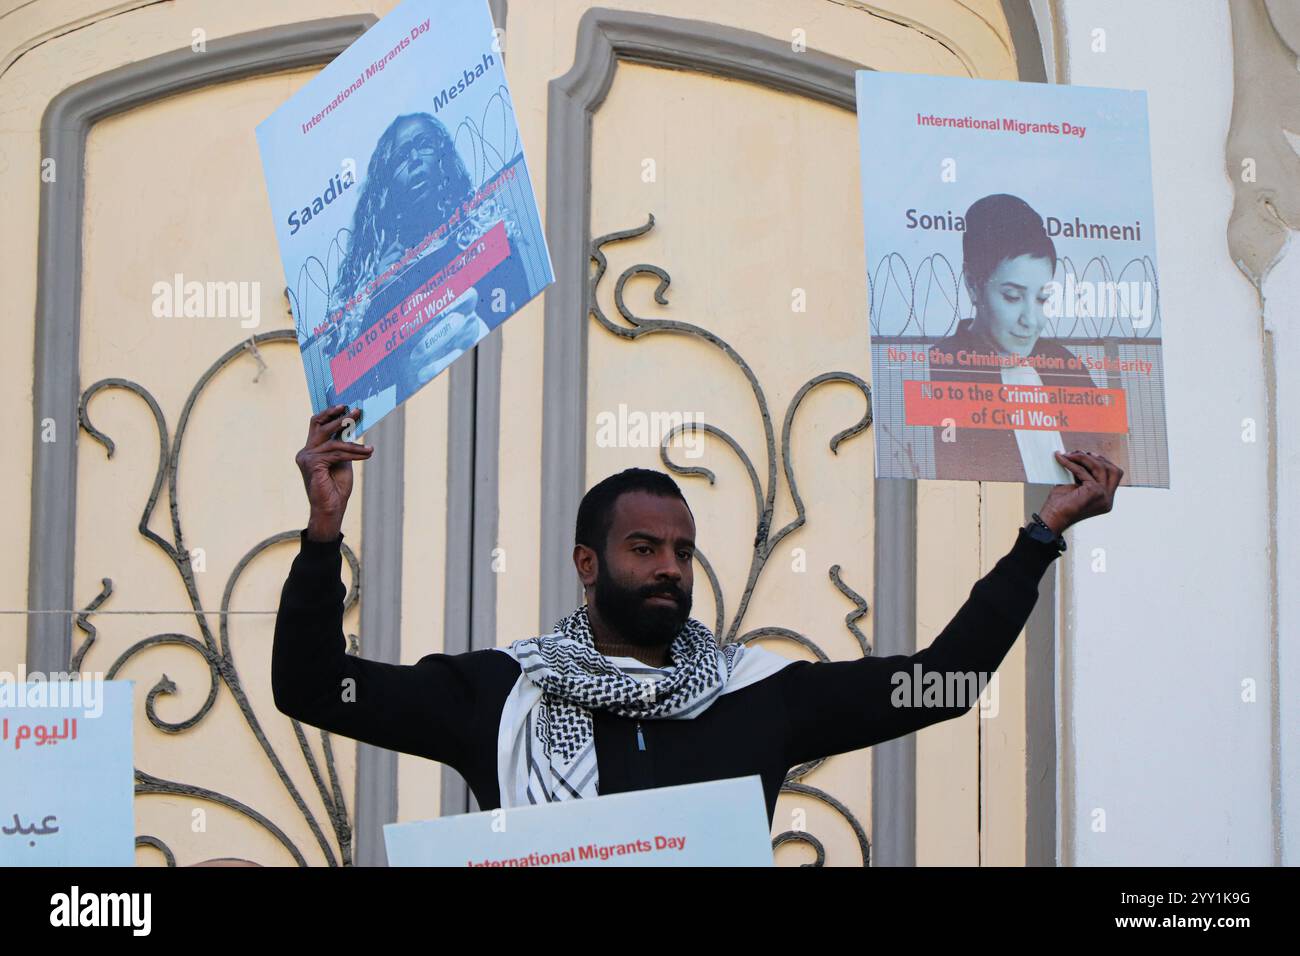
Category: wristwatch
[1039,531]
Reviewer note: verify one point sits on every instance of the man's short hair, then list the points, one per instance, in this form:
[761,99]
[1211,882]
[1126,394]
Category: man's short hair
[596,512]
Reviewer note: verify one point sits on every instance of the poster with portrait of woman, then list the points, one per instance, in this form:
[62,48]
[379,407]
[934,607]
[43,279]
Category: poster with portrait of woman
[403,207]
[1011,268]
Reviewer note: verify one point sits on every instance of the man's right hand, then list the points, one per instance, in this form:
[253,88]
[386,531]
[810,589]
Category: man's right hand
[326,466]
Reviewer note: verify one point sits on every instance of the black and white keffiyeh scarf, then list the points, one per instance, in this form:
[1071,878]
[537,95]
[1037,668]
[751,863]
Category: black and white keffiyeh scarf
[546,748]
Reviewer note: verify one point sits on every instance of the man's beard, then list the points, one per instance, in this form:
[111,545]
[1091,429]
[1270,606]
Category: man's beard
[645,624]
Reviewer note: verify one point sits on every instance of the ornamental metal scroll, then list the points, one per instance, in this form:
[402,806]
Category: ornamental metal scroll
[215,650]
[764,491]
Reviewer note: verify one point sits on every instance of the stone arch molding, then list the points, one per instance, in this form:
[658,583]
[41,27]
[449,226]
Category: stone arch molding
[57,387]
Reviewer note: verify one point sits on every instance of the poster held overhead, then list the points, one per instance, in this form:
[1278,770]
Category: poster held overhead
[1011,265]
[403,207]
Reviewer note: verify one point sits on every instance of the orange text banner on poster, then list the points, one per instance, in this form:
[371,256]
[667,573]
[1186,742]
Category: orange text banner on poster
[1030,407]
[427,302]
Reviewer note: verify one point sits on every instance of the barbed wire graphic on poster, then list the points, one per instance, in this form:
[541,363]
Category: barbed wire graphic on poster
[1014,301]
[1095,301]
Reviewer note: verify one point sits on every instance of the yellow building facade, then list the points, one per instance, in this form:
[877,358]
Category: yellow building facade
[709,149]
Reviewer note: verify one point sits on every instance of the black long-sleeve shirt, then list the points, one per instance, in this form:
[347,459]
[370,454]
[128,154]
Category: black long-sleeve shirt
[447,707]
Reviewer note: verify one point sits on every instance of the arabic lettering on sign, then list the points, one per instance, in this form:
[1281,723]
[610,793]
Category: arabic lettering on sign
[67,778]
[46,827]
[43,735]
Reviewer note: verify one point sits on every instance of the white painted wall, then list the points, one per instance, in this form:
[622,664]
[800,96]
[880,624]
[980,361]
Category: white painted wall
[1281,292]
[1157,736]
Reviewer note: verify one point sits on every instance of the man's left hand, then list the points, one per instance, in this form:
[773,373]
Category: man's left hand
[1093,492]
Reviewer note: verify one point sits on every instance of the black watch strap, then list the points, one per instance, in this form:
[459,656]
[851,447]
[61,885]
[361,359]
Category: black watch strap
[1039,531]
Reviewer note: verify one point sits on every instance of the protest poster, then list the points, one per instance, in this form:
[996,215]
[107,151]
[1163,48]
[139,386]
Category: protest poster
[67,784]
[1011,265]
[404,211]
[717,823]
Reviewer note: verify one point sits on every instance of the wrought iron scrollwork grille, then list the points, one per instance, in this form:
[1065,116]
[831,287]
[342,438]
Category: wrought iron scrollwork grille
[215,650]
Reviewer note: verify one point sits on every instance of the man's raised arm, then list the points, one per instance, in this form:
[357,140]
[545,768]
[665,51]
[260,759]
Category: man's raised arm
[424,708]
[840,706]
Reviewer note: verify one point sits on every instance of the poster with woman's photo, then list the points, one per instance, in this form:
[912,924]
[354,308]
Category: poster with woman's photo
[1011,269]
[403,207]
